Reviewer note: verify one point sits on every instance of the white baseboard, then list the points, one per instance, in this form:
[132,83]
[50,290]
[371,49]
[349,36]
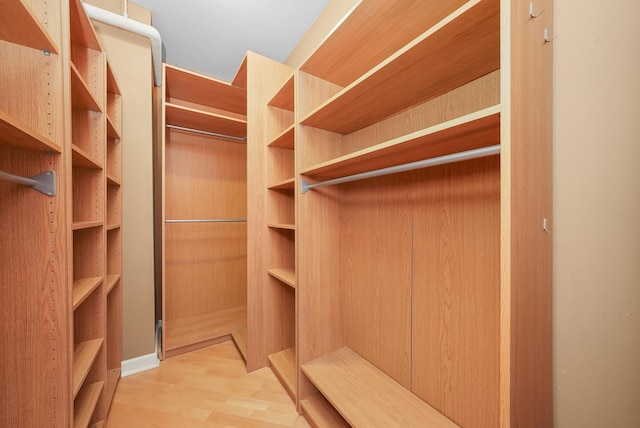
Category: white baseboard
[139,364]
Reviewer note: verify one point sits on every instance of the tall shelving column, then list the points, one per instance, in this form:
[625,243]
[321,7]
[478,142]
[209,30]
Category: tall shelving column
[34,256]
[281,283]
[203,163]
[88,146]
[114,236]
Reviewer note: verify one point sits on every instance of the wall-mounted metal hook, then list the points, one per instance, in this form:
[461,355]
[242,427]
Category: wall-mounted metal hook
[546,36]
[532,11]
[545,225]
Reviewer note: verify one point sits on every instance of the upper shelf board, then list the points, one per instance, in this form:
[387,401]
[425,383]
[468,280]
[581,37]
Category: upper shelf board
[369,33]
[15,133]
[82,31]
[18,24]
[204,121]
[199,89]
[284,98]
[462,47]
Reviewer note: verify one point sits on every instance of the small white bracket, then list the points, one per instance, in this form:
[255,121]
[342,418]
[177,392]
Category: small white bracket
[532,11]
[545,225]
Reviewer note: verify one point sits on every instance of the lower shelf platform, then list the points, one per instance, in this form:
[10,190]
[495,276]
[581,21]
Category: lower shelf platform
[240,339]
[283,364]
[319,413]
[187,334]
[85,403]
[365,396]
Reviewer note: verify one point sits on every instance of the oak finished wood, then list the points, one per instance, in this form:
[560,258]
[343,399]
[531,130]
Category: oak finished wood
[84,354]
[82,31]
[473,131]
[81,158]
[283,364]
[365,396]
[85,404]
[112,131]
[89,192]
[80,93]
[14,132]
[287,184]
[203,121]
[240,339]
[82,288]
[448,53]
[286,275]
[200,89]
[112,280]
[19,24]
[285,139]
[320,413]
[284,98]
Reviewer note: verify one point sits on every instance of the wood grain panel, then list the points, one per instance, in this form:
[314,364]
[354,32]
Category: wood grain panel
[456,290]
[205,268]
[281,318]
[375,272]
[19,24]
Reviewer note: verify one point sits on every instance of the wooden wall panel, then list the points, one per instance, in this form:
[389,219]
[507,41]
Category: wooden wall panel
[375,272]
[456,291]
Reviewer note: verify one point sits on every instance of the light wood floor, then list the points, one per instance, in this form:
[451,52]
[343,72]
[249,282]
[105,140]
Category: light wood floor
[205,388]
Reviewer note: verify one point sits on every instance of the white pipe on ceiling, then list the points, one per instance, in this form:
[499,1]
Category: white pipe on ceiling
[136,27]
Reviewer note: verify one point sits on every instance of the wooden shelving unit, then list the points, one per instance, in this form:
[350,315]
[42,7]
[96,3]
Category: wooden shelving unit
[56,68]
[203,226]
[398,277]
[283,364]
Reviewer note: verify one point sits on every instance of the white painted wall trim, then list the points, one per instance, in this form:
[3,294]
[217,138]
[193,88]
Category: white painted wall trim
[139,364]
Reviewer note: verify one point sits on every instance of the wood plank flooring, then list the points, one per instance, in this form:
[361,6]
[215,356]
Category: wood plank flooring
[206,388]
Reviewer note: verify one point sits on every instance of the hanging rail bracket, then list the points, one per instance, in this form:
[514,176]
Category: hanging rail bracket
[43,183]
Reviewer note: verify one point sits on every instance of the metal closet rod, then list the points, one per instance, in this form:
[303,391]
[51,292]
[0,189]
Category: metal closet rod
[441,160]
[43,183]
[213,134]
[209,220]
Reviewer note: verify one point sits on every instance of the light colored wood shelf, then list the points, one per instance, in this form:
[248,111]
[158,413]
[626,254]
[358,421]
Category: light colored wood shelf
[472,131]
[113,376]
[85,403]
[84,355]
[369,33]
[15,133]
[283,364]
[82,31]
[443,58]
[81,97]
[240,339]
[286,275]
[282,226]
[204,121]
[82,288]
[365,396]
[285,140]
[284,97]
[288,184]
[80,225]
[319,413]
[112,280]
[204,327]
[240,78]
[204,90]
[112,131]
[19,25]
[112,83]
[112,180]
[83,159]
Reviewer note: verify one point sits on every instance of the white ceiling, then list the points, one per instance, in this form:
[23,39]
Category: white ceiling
[212,36]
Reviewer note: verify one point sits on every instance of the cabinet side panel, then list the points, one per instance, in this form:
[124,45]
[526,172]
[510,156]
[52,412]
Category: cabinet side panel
[456,290]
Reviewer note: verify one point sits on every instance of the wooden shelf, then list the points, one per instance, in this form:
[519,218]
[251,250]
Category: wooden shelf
[286,275]
[112,380]
[207,91]
[83,159]
[85,404]
[84,355]
[112,180]
[284,98]
[15,133]
[201,328]
[112,131]
[240,339]
[288,184]
[81,97]
[285,140]
[82,288]
[369,34]
[283,364]
[320,413]
[282,226]
[82,32]
[443,58]
[112,84]
[204,121]
[19,25]
[240,78]
[80,225]
[476,130]
[112,280]
[365,396]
